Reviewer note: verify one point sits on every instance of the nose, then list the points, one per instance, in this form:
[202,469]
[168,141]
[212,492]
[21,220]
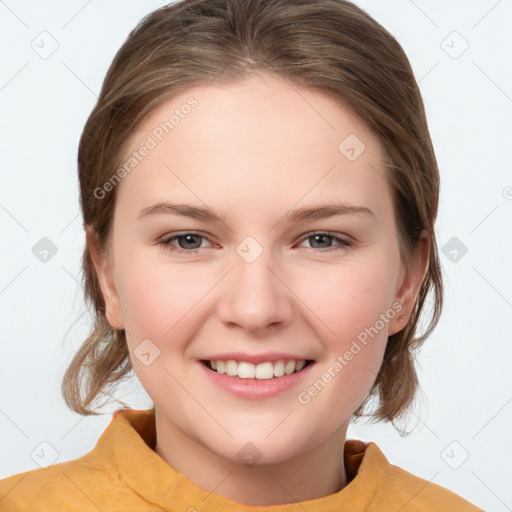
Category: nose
[254,296]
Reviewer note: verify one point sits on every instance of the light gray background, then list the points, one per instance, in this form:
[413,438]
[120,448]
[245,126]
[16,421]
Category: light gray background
[465,367]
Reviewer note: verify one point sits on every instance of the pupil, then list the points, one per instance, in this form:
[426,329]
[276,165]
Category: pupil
[321,236]
[188,237]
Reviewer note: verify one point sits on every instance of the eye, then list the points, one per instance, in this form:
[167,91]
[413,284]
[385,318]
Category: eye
[189,241]
[324,239]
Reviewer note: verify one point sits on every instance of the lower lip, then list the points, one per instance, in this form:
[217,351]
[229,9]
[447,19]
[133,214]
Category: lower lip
[256,389]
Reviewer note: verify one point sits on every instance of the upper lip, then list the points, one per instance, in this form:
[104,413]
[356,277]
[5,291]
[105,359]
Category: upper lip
[256,358]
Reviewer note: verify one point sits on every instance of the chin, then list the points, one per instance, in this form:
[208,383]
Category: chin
[256,447]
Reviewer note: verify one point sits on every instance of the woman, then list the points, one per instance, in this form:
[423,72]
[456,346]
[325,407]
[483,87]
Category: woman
[259,192]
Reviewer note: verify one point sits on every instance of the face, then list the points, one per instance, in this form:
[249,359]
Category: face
[262,280]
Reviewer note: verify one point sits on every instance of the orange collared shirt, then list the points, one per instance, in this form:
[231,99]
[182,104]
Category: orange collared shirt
[123,473]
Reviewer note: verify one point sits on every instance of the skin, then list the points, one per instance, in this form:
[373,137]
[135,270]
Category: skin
[252,151]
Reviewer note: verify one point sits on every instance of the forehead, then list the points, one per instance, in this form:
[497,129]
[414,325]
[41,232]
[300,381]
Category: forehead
[259,141]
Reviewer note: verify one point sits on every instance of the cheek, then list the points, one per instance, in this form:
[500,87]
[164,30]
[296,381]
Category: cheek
[349,298]
[159,303]
[352,311]
[156,299]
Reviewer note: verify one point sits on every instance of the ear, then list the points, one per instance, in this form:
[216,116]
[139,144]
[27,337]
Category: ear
[104,272]
[410,282]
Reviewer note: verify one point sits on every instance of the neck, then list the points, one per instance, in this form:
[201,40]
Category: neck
[311,474]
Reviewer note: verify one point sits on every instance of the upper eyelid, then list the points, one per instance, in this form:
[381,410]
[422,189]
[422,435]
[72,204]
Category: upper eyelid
[178,234]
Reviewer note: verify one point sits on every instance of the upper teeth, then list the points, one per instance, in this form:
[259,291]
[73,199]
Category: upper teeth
[266,370]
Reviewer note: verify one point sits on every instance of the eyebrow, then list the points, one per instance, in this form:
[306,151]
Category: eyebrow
[298,215]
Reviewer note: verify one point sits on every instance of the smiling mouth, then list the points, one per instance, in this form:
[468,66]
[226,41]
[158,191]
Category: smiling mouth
[262,371]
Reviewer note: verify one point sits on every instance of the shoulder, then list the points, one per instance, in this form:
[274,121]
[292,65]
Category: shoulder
[91,482]
[418,494]
[73,485]
[392,487]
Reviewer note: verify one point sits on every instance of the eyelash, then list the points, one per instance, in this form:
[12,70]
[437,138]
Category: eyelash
[166,242]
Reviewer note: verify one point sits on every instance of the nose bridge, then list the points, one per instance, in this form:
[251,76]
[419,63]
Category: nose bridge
[254,296]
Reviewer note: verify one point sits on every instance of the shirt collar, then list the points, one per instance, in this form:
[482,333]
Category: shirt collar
[130,439]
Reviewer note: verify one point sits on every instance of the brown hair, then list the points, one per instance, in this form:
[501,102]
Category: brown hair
[330,45]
